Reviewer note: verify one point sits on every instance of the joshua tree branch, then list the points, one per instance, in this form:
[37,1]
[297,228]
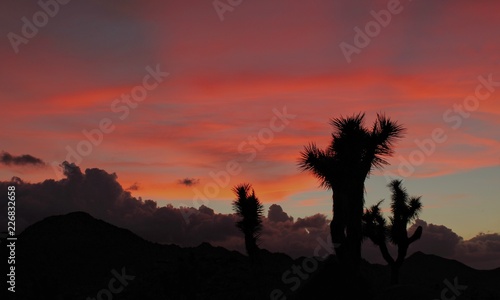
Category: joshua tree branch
[416,235]
[385,253]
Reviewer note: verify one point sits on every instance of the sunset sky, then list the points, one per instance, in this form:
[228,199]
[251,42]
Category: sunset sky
[250,87]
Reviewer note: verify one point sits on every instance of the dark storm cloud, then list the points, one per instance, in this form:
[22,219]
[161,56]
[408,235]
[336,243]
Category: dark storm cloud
[134,187]
[97,192]
[21,160]
[188,181]
[436,239]
[481,251]
[315,221]
[276,214]
[206,210]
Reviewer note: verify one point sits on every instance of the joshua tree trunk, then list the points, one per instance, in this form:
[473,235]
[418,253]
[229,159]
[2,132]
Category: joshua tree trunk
[354,227]
[251,246]
[402,251]
[395,265]
[338,225]
[403,246]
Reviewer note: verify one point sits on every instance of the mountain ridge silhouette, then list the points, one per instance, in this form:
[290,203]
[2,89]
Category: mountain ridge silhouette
[72,256]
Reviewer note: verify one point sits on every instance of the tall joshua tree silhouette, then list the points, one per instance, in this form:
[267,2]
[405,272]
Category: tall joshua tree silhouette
[404,210]
[343,167]
[249,208]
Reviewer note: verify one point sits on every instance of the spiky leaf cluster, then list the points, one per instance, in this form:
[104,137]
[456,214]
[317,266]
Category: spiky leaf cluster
[353,151]
[404,210]
[249,208]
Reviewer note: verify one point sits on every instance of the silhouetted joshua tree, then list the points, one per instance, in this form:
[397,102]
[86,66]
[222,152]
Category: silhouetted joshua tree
[343,167]
[404,210]
[248,206]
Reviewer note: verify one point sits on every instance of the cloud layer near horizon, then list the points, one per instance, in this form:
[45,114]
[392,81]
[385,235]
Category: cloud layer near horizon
[97,192]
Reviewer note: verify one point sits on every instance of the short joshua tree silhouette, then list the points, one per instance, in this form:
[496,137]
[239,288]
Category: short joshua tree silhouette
[404,209]
[249,208]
